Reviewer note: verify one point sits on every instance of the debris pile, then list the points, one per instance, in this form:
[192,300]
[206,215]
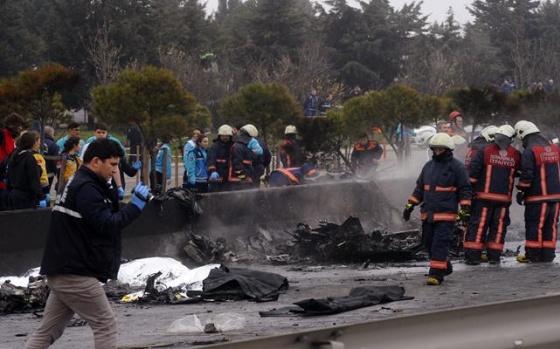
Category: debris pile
[17,299]
[348,243]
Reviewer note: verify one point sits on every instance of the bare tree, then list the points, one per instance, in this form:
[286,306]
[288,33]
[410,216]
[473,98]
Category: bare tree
[104,55]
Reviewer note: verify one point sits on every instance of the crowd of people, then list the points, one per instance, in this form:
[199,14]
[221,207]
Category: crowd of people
[26,177]
[237,159]
[476,190]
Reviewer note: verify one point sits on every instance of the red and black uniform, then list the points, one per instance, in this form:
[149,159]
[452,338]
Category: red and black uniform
[540,183]
[219,161]
[492,173]
[241,171]
[290,153]
[442,186]
[477,144]
[365,156]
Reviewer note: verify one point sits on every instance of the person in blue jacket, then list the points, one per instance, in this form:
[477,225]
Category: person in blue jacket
[196,165]
[442,186]
[163,155]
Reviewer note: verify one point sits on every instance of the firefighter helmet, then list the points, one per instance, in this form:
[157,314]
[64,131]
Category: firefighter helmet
[424,134]
[442,140]
[524,128]
[251,130]
[488,133]
[458,140]
[290,129]
[506,130]
[225,130]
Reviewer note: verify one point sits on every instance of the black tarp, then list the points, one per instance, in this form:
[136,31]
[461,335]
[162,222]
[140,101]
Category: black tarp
[239,283]
[359,297]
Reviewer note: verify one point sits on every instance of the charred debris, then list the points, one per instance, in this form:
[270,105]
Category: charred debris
[329,242]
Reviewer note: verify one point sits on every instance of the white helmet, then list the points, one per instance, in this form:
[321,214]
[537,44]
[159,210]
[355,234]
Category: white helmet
[290,129]
[251,130]
[524,128]
[425,133]
[506,130]
[225,130]
[442,140]
[488,133]
[458,140]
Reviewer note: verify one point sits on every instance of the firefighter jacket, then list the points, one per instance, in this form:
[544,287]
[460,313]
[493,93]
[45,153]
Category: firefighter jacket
[477,144]
[218,158]
[540,173]
[492,173]
[285,176]
[442,185]
[241,160]
[364,156]
[84,236]
[24,174]
[261,162]
[290,153]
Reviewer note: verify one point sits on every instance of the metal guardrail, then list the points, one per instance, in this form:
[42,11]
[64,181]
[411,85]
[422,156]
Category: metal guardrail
[529,323]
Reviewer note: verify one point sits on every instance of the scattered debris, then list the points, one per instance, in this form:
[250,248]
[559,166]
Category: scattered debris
[18,299]
[349,243]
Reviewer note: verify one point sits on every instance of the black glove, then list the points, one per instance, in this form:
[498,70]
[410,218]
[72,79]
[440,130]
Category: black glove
[520,197]
[407,211]
[465,215]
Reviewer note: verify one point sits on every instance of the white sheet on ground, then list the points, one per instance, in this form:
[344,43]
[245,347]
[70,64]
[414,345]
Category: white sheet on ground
[173,273]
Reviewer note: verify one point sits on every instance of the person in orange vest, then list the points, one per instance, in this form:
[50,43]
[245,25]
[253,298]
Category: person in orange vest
[366,154]
[456,125]
[291,176]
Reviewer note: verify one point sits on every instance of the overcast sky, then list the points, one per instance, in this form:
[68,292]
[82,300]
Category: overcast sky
[436,9]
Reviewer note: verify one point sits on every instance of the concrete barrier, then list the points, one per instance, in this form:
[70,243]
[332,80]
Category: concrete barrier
[161,229]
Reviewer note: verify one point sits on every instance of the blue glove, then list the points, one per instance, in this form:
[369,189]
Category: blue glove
[137,165]
[43,204]
[121,193]
[48,198]
[214,176]
[140,196]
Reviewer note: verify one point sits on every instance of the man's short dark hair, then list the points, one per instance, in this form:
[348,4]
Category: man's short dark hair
[26,141]
[238,125]
[101,126]
[103,149]
[73,125]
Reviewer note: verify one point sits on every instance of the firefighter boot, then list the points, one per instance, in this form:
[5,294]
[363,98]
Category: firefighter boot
[434,280]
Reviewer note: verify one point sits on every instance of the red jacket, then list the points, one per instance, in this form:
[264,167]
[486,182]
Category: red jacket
[7,145]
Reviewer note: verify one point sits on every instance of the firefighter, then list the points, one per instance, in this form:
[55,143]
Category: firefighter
[492,173]
[539,190]
[290,150]
[486,137]
[241,171]
[218,159]
[366,154]
[442,185]
[291,176]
